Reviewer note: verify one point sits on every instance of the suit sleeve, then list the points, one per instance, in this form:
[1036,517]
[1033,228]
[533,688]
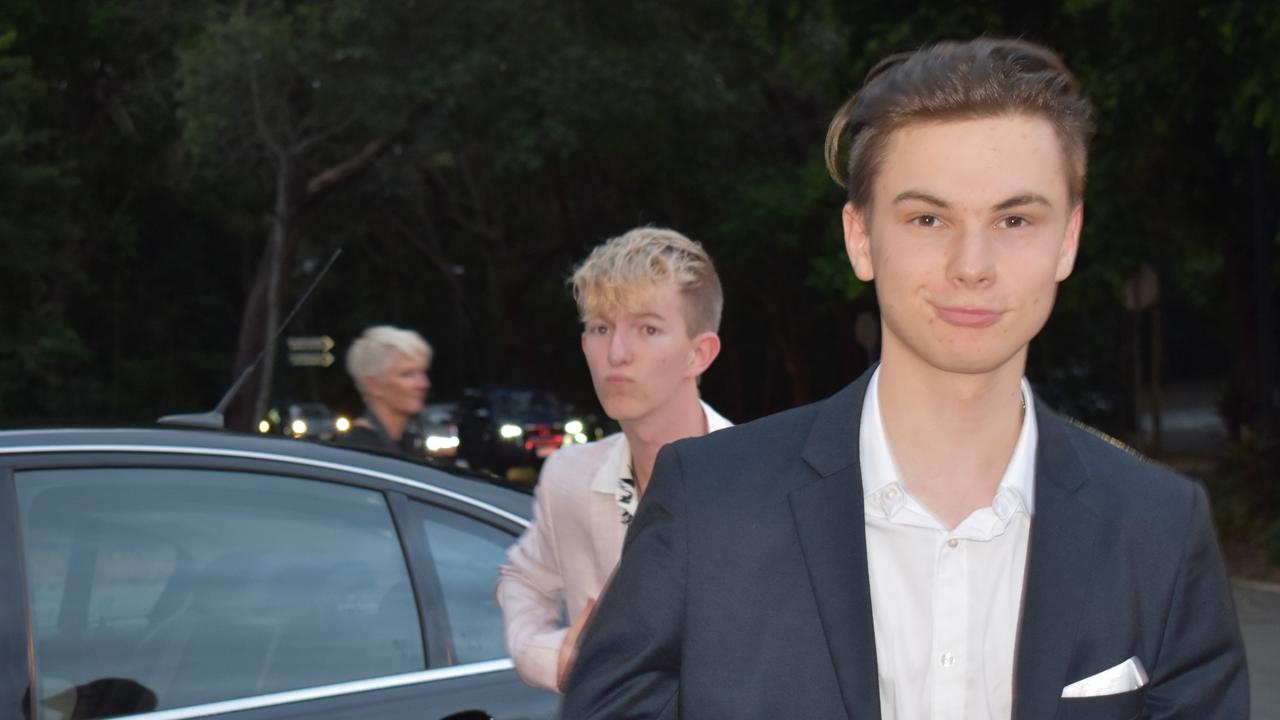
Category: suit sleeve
[628,665]
[1200,672]
[530,592]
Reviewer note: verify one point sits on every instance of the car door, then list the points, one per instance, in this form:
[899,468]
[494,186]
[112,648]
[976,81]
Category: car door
[163,585]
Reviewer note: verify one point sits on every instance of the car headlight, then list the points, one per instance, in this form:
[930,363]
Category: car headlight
[510,432]
[299,427]
[341,424]
[436,443]
[264,426]
[573,427]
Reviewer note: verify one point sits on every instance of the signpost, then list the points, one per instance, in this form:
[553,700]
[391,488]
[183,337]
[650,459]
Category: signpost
[1140,294]
[310,351]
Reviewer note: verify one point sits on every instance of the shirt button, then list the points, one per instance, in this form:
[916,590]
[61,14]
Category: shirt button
[952,543]
[891,493]
[948,660]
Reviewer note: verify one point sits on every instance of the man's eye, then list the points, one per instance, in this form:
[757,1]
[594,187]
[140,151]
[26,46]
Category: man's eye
[649,330]
[926,221]
[1014,222]
[598,329]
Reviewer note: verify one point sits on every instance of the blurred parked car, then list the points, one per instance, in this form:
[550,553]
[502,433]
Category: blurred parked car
[437,424]
[508,427]
[206,574]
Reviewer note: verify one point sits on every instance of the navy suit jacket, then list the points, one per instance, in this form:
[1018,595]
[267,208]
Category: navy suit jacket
[743,591]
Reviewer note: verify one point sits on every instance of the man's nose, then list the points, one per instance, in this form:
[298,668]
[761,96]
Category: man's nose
[619,349]
[972,260]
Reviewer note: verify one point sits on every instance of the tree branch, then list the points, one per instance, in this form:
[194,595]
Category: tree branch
[337,174]
[306,143]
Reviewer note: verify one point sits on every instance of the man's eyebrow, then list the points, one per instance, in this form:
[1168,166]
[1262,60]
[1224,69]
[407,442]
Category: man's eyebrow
[921,196]
[632,315]
[1024,199]
[1013,202]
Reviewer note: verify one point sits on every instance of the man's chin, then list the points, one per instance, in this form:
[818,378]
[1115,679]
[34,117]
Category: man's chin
[622,411]
[977,363]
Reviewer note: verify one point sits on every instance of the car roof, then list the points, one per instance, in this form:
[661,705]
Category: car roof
[233,444]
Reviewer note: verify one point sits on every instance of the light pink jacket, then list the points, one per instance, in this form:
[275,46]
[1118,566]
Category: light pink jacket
[569,552]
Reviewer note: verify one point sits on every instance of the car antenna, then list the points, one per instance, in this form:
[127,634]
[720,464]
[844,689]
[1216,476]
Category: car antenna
[215,418]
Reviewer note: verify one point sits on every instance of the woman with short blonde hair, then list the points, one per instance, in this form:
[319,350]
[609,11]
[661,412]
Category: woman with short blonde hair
[389,367]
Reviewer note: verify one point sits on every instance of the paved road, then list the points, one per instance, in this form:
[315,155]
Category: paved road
[1258,605]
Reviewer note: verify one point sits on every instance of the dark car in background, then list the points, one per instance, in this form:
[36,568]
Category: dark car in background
[505,428]
[164,574]
[437,425]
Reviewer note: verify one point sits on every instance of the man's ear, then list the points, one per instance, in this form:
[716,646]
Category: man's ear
[857,242]
[1070,244]
[705,349]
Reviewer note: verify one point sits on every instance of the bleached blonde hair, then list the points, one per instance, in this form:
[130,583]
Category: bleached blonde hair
[620,270]
[371,353]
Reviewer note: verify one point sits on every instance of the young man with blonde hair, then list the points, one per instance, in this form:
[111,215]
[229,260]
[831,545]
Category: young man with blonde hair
[930,542]
[650,303]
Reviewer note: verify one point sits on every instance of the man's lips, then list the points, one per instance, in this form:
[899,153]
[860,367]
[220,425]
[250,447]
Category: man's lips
[968,317]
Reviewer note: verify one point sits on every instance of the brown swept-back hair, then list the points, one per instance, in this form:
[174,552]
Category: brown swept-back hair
[980,78]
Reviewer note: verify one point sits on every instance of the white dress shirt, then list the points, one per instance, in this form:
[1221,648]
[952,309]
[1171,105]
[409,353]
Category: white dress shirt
[569,552]
[945,602]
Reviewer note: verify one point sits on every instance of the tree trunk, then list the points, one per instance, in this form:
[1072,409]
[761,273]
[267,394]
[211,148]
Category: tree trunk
[278,248]
[261,318]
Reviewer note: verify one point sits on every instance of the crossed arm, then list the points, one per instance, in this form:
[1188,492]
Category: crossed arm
[529,592]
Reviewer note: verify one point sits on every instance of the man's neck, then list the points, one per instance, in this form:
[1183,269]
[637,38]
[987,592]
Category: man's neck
[952,434]
[681,418]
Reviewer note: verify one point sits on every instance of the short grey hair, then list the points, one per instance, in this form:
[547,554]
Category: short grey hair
[371,353]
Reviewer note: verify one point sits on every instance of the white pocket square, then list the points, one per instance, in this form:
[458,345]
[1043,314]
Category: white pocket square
[1128,675]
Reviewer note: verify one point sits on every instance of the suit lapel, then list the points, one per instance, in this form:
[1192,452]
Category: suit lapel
[829,521]
[1061,549]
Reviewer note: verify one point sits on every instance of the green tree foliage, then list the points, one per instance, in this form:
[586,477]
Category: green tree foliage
[173,176]
[41,353]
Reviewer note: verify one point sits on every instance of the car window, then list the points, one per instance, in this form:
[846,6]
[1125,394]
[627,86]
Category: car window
[160,588]
[531,405]
[467,554]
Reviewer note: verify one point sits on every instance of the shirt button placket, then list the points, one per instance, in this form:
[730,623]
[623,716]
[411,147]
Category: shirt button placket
[949,632]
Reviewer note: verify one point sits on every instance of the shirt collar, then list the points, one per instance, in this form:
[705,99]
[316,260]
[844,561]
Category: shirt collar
[880,474]
[618,463]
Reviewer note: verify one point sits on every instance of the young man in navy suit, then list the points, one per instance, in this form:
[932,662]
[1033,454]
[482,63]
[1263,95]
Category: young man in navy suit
[930,542]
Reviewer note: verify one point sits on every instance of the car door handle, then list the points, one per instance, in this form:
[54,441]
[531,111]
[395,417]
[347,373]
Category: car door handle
[469,715]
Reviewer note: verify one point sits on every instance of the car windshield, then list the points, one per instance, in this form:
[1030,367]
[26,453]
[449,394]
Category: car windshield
[439,413]
[311,409]
[531,405]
